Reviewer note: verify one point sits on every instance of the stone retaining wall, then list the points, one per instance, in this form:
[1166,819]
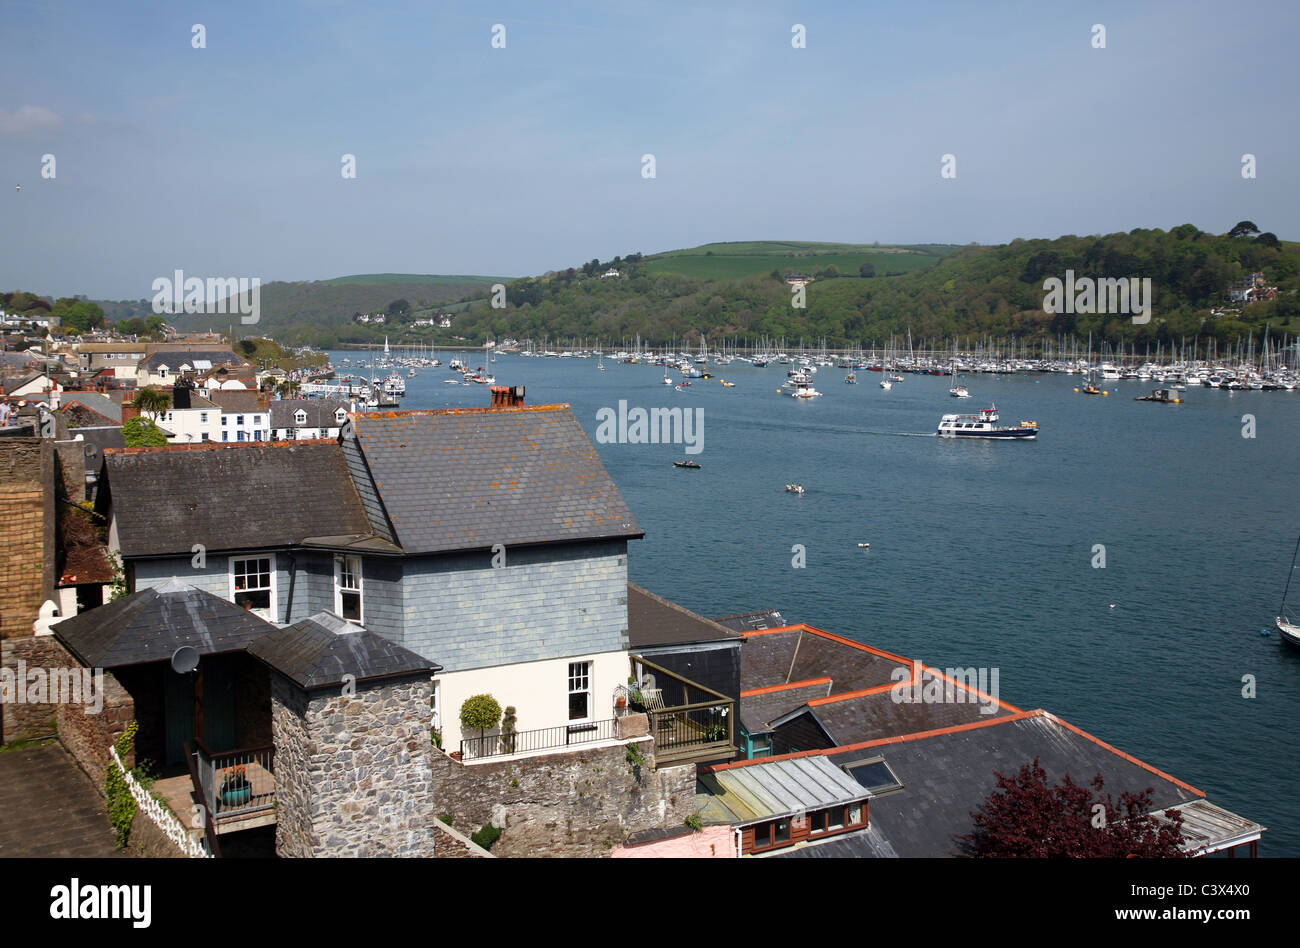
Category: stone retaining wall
[575,803]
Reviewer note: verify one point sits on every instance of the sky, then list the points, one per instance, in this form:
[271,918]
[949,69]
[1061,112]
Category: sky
[470,158]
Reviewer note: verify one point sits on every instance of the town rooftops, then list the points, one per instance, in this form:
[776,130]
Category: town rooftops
[465,479]
[97,402]
[761,706]
[148,626]
[653,621]
[800,652]
[772,789]
[324,650]
[176,357]
[236,496]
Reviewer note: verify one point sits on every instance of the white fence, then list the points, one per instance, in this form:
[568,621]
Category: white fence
[162,817]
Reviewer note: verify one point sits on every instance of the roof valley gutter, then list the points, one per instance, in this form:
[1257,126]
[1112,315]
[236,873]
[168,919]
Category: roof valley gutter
[790,671]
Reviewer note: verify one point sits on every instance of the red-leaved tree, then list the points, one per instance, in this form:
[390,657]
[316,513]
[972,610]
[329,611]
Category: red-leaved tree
[1026,818]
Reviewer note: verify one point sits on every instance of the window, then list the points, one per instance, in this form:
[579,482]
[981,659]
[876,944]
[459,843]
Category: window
[579,691]
[239,420]
[437,704]
[874,774]
[225,419]
[203,418]
[300,417]
[771,835]
[340,415]
[252,584]
[347,587]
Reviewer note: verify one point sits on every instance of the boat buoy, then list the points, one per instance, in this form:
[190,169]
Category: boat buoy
[1076,391]
[1105,393]
[1112,605]
[1263,631]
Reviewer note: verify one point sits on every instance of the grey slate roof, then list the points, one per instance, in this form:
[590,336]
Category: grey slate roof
[175,358]
[757,712]
[235,399]
[96,402]
[875,716]
[243,496]
[749,621]
[947,777]
[777,658]
[320,412]
[148,626]
[96,440]
[319,651]
[654,621]
[471,478]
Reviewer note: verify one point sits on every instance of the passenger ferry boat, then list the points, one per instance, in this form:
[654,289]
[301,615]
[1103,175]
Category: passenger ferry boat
[984,425]
[395,385]
[798,386]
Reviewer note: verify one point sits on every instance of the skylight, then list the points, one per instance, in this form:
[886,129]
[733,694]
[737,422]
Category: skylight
[874,774]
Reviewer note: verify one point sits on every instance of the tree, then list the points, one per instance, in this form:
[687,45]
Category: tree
[398,308]
[1024,817]
[1244,229]
[1269,240]
[868,269]
[152,401]
[140,432]
[481,712]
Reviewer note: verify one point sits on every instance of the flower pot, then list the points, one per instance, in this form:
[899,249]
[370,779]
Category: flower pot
[620,703]
[233,794]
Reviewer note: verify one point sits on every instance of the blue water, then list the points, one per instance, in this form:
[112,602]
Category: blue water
[981,552]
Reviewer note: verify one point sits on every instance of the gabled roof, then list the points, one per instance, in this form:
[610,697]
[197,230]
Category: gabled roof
[653,621]
[235,399]
[321,650]
[175,358]
[466,479]
[236,496]
[97,402]
[148,626]
[320,412]
[801,652]
[13,385]
[760,707]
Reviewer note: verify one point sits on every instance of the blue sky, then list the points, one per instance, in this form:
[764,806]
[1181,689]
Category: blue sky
[225,161]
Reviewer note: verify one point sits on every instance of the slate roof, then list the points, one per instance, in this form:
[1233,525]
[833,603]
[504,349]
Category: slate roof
[148,626]
[772,789]
[757,711]
[654,621]
[750,621]
[175,358]
[320,412]
[948,776]
[319,651]
[241,496]
[801,653]
[98,403]
[465,479]
[856,717]
[235,399]
[12,385]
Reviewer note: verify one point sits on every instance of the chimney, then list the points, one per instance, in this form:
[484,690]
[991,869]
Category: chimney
[129,411]
[507,396]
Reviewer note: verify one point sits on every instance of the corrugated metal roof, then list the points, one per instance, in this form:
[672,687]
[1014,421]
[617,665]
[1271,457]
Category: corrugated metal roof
[1208,827]
[766,791]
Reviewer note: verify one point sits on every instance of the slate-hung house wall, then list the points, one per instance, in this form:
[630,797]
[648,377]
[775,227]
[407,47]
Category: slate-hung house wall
[490,541]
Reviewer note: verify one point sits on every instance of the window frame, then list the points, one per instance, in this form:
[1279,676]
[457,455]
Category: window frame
[340,560]
[584,678]
[270,612]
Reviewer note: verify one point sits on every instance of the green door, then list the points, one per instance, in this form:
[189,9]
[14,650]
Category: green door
[178,694]
[218,704]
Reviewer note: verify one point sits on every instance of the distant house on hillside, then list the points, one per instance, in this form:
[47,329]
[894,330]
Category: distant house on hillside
[609,273]
[798,279]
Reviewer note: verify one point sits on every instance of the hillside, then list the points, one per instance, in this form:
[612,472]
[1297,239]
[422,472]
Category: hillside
[320,312]
[736,260]
[973,292]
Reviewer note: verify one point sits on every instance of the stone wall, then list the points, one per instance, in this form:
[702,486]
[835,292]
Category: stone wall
[21,722]
[577,803]
[352,773]
[26,532]
[88,737]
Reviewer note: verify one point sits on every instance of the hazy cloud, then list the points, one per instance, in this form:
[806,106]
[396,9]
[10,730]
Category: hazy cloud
[28,119]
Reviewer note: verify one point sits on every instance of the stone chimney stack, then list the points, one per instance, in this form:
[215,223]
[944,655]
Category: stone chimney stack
[507,396]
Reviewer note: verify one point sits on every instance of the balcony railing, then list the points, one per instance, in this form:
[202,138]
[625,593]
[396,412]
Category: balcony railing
[237,783]
[546,738]
[687,720]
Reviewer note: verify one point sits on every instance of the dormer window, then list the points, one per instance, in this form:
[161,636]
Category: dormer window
[300,417]
[339,416]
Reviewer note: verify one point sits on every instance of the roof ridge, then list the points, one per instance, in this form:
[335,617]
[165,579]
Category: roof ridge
[219,445]
[480,410]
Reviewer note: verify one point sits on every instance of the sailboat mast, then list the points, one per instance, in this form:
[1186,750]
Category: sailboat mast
[1290,574]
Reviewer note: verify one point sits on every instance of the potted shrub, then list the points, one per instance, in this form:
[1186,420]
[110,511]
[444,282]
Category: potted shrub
[235,788]
[480,712]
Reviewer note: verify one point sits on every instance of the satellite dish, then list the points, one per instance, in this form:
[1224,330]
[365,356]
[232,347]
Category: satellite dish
[185,659]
